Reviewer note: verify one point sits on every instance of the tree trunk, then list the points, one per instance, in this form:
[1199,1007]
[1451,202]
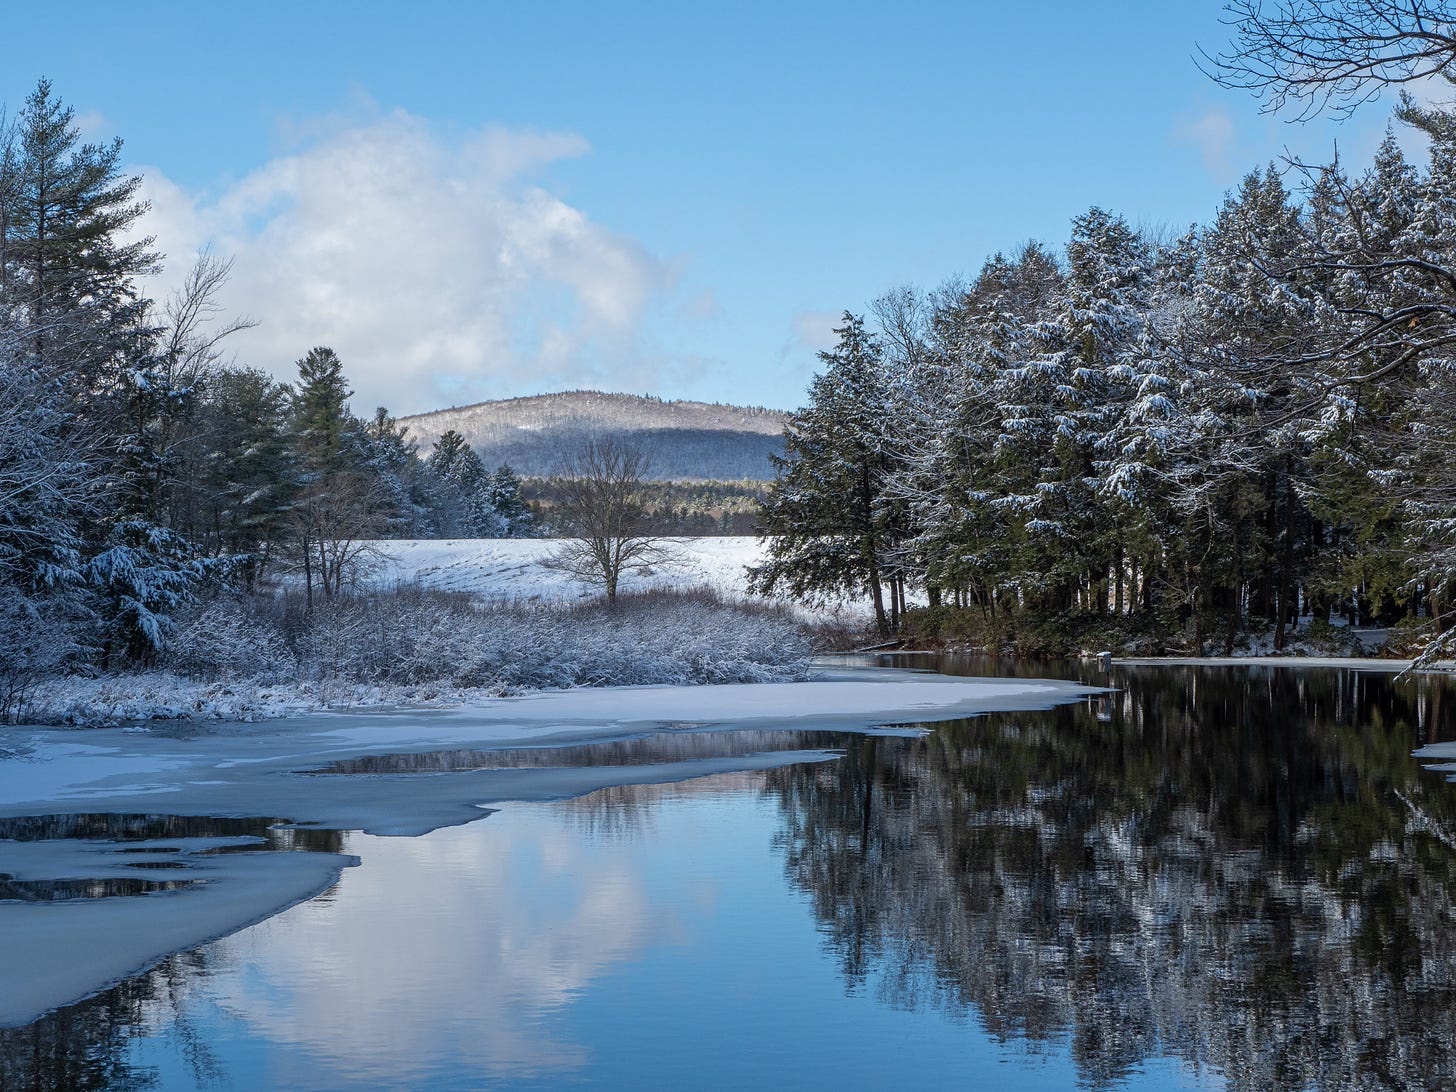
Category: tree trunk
[882,623]
[308,575]
[1286,556]
[1118,561]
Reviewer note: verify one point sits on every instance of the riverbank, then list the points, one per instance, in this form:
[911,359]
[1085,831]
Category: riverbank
[261,657]
[1142,636]
[1356,663]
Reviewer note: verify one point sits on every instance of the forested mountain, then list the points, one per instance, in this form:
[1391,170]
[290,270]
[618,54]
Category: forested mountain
[687,441]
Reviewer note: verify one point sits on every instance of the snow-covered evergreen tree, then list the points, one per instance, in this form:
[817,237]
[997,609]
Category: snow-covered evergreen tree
[503,491]
[48,489]
[466,502]
[823,516]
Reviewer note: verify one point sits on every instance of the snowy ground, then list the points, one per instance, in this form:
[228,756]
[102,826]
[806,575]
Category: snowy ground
[51,954]
[511,568]
[1293,659]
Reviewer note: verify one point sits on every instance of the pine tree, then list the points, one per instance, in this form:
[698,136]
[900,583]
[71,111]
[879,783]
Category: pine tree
[68,276]
[454,459]
[247,473]
[320,411]
[390,456]
[339,505]
[48,489]
[504,491]
[68,291]
[465,503]
[822,517]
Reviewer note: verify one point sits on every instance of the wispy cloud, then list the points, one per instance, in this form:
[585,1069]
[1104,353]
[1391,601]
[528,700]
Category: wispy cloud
[812,331]
[809,333]
[435,265]
[703,306]
[1213,133]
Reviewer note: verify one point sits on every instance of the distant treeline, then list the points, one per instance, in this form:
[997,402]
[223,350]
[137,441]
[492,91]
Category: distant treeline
[672,508]
[675,454]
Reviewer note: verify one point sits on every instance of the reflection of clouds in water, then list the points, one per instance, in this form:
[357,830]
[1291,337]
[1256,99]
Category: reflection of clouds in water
[629,812]
[462,941]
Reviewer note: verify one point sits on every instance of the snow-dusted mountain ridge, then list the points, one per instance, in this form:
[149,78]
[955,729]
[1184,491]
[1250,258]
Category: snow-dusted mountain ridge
[688,441]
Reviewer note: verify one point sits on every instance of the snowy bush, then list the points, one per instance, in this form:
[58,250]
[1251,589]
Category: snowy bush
[223,640]
[39,638]
[412,637]
[245,659]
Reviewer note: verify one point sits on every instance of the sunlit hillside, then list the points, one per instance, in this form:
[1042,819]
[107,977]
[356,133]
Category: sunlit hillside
[688,441]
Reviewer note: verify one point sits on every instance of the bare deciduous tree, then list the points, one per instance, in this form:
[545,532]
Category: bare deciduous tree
[346,517]
[1335,55]
[601,511]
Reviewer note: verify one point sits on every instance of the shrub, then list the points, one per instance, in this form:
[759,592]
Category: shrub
[224,639]
[413,637]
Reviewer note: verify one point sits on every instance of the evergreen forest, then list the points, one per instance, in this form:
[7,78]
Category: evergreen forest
[1154,440]
[140,464]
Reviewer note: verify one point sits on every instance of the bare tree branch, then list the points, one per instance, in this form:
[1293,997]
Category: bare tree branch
[601,510]
[1314,56]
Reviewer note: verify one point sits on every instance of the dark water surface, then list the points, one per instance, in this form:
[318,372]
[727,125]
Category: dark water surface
[1216,877]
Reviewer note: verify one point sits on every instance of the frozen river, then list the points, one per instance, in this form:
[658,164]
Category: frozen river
[1211,876]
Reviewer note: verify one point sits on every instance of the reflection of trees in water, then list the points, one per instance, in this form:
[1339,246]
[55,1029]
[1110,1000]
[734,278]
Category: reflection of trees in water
[1236,869]
[628,812]
[87,1045]
[249,832]
[675,744]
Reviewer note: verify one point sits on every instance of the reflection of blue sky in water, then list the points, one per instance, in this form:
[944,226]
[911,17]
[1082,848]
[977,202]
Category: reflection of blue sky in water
[442,954]
[1243,869]
[642,936]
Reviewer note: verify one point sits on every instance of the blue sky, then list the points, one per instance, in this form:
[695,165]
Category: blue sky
[471,201]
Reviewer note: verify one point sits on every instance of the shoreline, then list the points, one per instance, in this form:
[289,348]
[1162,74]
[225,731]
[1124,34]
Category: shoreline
[1357,663]
[160,702]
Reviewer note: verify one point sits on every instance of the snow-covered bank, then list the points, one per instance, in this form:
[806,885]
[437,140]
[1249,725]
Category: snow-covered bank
[54,954]
[259,658]
[1358,663]
[248,769]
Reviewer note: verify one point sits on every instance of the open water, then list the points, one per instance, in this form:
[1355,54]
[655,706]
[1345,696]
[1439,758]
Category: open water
[1213,877]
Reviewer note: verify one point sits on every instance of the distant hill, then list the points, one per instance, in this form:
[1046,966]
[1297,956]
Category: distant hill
[689,441]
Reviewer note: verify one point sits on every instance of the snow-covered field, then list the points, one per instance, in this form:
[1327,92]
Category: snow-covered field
[513,569]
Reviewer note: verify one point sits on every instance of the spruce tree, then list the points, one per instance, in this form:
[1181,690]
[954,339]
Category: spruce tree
[339,505]
[509,505]
[822,517]
[68,276]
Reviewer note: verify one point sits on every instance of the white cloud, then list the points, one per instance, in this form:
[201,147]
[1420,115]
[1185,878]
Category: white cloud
[508,924]
[813,331]
[1214,135]
[92,125]
[810,332]
[435,269]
